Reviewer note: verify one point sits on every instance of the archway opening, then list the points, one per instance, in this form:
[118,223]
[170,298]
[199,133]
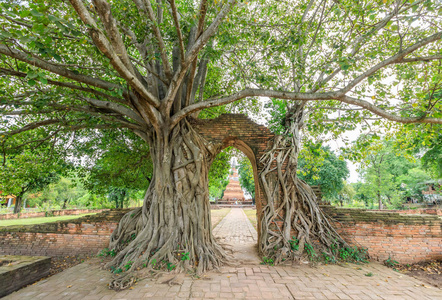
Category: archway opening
[234,197]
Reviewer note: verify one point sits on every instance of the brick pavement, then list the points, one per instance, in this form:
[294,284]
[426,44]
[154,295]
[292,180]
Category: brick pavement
[236,233]
[253,281]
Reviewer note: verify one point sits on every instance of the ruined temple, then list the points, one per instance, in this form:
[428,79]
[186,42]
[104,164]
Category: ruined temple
[233,193]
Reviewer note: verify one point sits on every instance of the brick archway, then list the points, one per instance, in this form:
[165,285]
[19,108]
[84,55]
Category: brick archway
[238,131]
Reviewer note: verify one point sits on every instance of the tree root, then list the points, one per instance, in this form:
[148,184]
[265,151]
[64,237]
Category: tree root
[291,220]
[172,231]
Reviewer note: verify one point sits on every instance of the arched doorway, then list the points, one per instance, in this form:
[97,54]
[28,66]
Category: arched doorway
[238,131]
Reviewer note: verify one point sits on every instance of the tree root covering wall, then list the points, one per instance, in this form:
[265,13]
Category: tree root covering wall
[63,212]
[402,237]
[87,235]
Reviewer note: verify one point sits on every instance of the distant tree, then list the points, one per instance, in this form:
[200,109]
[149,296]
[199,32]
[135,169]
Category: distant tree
[119,196]
[118,168]
[390,174]
[329,173]
[246,178]
[346,194]
[63,192]
[432,159]
[218,174]
[28,171]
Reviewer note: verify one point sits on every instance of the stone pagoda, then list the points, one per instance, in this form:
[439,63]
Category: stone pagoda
[233,193]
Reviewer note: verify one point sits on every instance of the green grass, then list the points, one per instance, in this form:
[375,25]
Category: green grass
[218,214]
[33,221]
[251,215]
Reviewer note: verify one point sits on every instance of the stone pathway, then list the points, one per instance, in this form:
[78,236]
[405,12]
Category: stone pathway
[253,281]
[236,233]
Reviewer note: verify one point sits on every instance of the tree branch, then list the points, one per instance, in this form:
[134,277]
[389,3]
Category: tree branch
[103,44]
[391,60]
[117,108]
[110,25]
[380,112]
[178,29]
[338,95]
[67,85]
[156,30]
[31,126]
[53,68]
[421,59]
[192,54]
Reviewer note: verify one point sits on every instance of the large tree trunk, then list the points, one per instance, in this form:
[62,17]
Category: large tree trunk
[292,219]
[173,227]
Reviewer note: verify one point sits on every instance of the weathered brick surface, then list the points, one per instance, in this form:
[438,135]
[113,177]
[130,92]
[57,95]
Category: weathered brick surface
[21,271]
[64,212]
[51,244]
[87,235]
[404,238]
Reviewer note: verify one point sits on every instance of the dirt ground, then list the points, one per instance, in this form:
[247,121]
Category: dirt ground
[429,272]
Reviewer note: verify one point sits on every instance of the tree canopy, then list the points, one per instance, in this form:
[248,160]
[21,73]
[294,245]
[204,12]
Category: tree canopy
[79,65]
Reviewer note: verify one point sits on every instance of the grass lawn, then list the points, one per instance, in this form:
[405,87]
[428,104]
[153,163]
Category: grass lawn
[218,214]
[33,221]
[251,214]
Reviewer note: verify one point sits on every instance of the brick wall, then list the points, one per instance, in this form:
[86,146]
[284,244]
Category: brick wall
[51,244]
[87,235]
[64,212]
[404,238]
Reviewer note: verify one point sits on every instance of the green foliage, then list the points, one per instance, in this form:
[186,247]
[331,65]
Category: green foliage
[294,244]
[120,165]
[390,176]
[328,259]
[64,192]
[185,256]
[354,254]
[107,252]
[128,265]
[310,251]
[246,177]
[328,174]
[218,174]
[391,263]
[170,266]
[116,270]
[267,261]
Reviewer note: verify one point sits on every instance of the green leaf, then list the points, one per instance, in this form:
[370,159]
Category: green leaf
[57,57]
[32,75]
[36,13]
[24,13]
[43,80]
[32,82]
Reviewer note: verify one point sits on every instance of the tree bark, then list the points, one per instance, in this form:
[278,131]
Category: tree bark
[292,218]
[18,203]
[173,227]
